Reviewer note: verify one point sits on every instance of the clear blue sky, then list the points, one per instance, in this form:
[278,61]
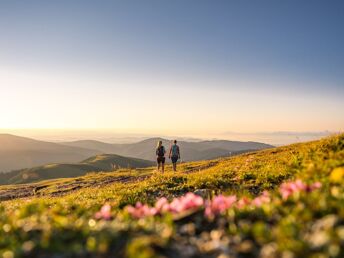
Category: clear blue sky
[172,66]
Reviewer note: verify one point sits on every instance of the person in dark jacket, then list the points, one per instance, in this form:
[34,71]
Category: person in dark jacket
[160,156]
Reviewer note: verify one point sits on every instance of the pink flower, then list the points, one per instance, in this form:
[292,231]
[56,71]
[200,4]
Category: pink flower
[184,203]
[162,205]
[208,211]
[315,186]
[140,210]
[191,201]
[289,188]
[175,206]
[188,202]
[219,205]
[300,185]
[104,213]
[243,202]
[260,200]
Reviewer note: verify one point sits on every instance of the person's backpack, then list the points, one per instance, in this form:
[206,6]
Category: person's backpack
[161,151]
[175,151]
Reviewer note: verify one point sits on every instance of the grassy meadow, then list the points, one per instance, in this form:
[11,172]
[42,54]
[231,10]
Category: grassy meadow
[60,217]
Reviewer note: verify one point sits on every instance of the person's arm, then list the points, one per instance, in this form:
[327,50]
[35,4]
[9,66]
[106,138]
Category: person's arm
[178,152]
[170,152]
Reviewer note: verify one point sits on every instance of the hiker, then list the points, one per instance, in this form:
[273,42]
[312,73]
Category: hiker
[174,154]
[160,156]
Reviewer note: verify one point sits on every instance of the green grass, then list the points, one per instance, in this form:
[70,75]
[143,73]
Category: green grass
[57,217]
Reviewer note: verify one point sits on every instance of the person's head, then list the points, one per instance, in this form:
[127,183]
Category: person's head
[159,144]
[175,141]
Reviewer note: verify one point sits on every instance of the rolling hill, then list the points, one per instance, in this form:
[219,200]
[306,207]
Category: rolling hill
[280,202]
[191,151]
[102,162]
[19,152]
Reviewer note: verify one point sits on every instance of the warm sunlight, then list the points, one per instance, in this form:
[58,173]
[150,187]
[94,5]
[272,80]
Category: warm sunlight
[41,100]
[165,129]
[195,91]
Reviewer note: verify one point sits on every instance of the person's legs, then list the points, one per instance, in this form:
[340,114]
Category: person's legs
[174,163]
[158,161]
[163,164]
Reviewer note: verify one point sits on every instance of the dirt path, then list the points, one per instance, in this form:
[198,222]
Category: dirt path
[60,189]
[201,167]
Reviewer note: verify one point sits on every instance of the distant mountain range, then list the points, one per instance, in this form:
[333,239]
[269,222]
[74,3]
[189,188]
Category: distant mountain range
[19,152]
[102,162]
[190,151]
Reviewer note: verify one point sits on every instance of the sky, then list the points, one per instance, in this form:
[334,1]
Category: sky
[195,68]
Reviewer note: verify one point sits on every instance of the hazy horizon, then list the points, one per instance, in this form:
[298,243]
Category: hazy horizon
[111,136]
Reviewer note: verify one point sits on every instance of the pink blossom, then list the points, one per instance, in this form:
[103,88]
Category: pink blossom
[140,210]
[315,186]
[191,201]
[260,200]
[243,202]
[208,211]
[289,188]
[104,213]
[300,185]
[188,202]
[162,205]
[219,204]
[184,203]
[285,191]
[175,206]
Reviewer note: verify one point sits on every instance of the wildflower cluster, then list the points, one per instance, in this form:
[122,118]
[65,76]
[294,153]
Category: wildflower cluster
[289,188]
[185,203]
[218,205]
[190,202]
